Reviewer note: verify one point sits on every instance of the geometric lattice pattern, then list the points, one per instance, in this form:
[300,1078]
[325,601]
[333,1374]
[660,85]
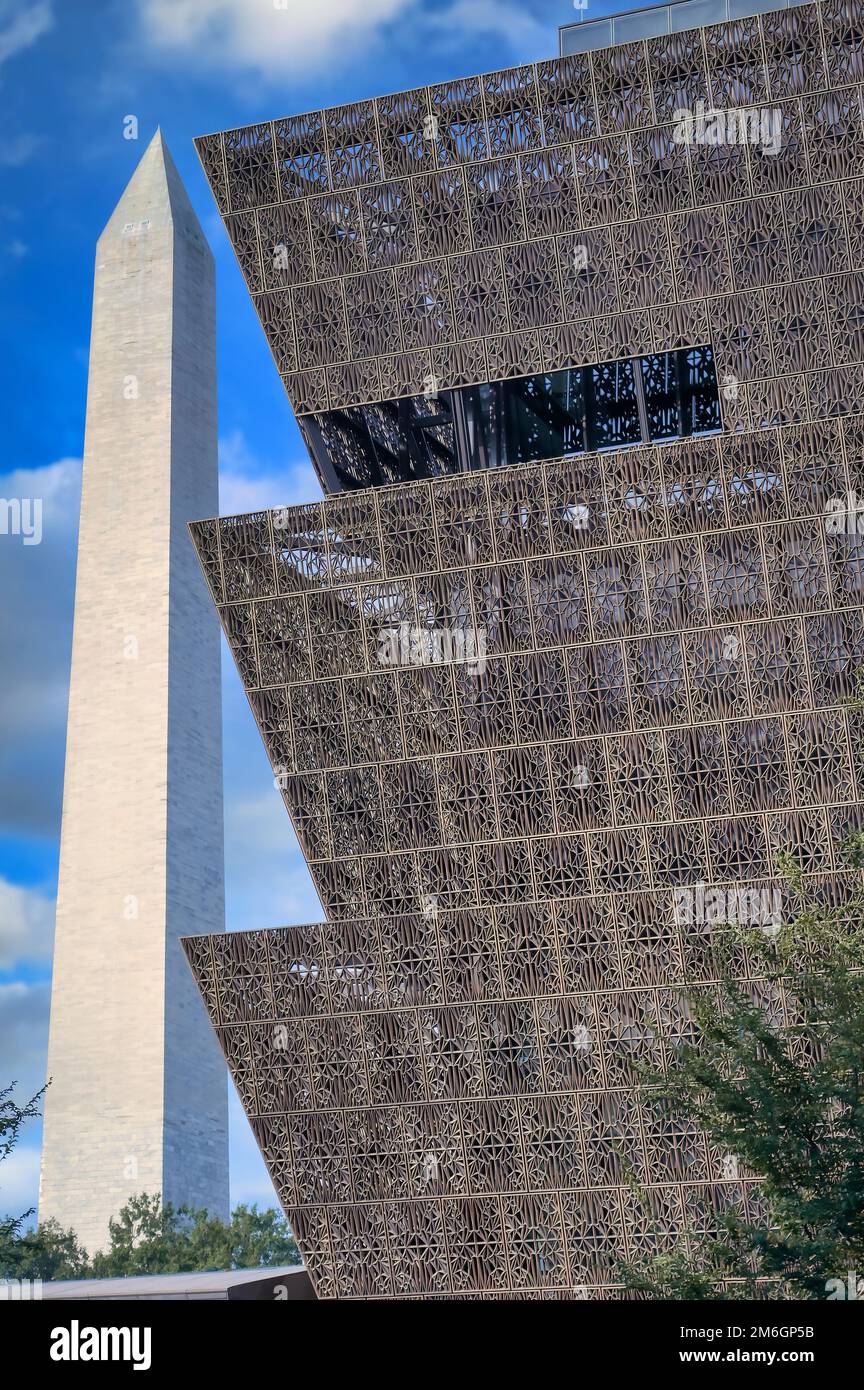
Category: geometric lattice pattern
[444,1071]
[545,216]
[444,1078]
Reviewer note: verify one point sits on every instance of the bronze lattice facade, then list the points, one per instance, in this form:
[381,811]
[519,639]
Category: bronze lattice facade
[441,1076]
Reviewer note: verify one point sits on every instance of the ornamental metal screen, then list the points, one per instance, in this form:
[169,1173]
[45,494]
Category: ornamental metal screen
[532,723]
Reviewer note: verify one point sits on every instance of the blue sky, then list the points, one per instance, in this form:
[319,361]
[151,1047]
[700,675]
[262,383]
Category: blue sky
[71,71]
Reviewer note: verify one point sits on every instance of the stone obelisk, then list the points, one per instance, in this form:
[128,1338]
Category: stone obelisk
[138,1095]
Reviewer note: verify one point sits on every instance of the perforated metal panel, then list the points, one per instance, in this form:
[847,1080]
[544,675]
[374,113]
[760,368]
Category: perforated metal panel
[432,234]
[443,1078]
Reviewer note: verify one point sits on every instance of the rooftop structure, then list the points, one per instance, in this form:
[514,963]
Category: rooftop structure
[651,21]
[286,1283]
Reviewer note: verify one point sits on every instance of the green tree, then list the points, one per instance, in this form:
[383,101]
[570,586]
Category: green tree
[151,1238]
[49,1252]
[12,1119]
[261,1238]
[786,1099]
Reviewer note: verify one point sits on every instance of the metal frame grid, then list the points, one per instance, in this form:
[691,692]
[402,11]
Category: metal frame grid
[665,702]
[431,235]
[443,1077]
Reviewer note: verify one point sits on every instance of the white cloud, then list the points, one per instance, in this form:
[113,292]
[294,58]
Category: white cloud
[26,924]
[17,249]
[527,37]
[246,486]
[275,38]
[267,883]
[267,36]
[52,482]
[20,30]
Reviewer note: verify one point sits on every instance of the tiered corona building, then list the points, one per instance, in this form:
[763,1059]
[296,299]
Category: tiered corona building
[569,642]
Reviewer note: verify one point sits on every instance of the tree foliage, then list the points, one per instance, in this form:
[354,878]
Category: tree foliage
[151,1238]
[148,1237]
[782,1092]
[49,1252]
[12,1118]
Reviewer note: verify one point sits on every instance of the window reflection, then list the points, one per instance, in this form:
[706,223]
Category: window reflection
[609,405]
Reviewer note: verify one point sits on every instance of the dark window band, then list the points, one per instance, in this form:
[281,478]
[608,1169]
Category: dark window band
[610,405]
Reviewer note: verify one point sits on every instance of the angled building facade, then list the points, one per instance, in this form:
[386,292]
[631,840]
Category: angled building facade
[567,645]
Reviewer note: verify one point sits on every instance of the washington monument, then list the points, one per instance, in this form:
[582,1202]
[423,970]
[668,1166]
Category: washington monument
[138,1097]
